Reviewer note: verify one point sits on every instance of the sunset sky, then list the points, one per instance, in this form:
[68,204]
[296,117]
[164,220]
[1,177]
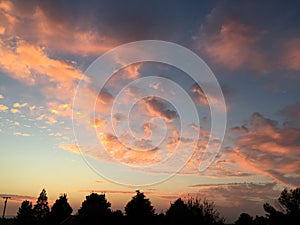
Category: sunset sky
[55,123]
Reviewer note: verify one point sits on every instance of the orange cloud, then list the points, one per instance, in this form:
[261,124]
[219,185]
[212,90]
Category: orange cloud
[70,147]
[3,107]
[14,111]
[19,105]
[58,109]
[98,123]
[25,60]
[125,154]
[22,134]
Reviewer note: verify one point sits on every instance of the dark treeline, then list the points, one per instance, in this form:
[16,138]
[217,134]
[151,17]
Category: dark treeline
[96,210]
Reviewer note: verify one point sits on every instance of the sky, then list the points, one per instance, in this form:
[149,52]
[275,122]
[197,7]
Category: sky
[65,128]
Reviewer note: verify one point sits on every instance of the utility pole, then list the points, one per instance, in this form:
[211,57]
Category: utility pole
[5,202]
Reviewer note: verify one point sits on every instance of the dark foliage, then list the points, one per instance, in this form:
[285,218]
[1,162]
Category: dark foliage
[41,208]
[94,209]
[288,211]
[139,210]
[244,219]
[25,214]
[60,210]
[192,212]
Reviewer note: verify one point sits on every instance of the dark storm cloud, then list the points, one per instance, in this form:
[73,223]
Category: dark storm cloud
[129,20]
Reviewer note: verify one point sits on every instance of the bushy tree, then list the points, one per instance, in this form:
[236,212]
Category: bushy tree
[41,208]
[139,209]
[60,210]
[192,212]
[94,209]
[25,214]
[288,211]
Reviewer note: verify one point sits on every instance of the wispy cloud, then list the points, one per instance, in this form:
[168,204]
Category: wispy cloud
[120,192]
[18,198]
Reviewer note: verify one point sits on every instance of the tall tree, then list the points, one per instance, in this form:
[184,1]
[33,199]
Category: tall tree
[25,214]
[94,209]
[289,208]
[139,209]
[41,208]
[60,210]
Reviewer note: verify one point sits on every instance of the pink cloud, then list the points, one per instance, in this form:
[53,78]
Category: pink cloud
[18,198]
[269,150]
[33,24]
[233,45]
[291,54]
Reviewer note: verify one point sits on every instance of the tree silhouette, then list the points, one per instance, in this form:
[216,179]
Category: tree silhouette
[25,214]
[41,208]
[289,208]
[60,210]
[94,209]
[178,213]
[260,220]
[244,219]
[139,209]
[117,217]
[204,211]
[193,211]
